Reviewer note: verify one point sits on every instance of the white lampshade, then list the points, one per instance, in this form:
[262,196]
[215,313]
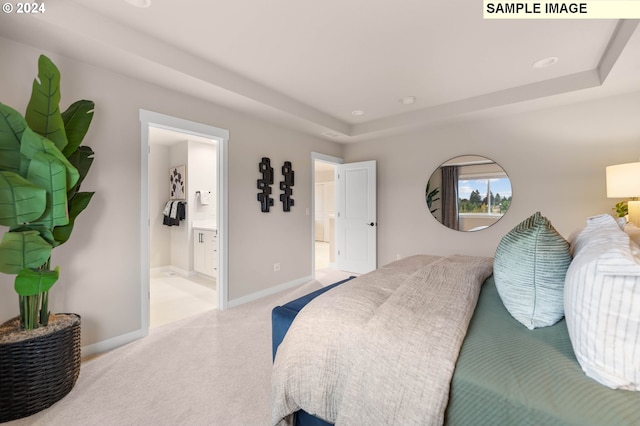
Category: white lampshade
[623,180]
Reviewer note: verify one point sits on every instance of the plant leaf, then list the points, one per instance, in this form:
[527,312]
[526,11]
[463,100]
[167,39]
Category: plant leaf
[48,172]
[81,159]
[43,112]
[76,205]
[77,119]
[21,250]
[44,232]
[20,200]
[12,124]
[32,144]
[31,283]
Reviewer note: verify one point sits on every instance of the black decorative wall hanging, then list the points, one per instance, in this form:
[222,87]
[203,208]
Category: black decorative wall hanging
[265,168]
[286,187]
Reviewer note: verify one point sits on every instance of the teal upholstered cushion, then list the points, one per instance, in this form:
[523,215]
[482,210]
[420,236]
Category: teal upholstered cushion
[529,269]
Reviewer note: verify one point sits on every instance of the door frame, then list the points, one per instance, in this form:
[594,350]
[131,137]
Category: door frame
[221,136]
[316,156]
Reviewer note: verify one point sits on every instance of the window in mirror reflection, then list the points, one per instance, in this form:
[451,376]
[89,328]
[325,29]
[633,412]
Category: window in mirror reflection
[473,193]
[491,195]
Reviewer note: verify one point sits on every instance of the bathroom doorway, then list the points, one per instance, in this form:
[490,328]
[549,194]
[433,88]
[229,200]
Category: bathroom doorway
[182,212]
[184,220]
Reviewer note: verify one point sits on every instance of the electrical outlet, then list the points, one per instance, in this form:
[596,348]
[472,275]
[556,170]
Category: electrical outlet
[398,257]
[276,267]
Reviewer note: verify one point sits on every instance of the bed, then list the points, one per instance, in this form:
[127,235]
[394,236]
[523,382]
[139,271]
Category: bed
[500,373]
[508,375]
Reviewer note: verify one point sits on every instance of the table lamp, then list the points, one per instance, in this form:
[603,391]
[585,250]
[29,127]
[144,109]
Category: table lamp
[623,181]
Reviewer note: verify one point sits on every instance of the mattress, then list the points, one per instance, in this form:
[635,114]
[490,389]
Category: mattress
[509,375]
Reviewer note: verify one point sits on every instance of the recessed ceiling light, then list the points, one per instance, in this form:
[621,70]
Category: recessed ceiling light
[139,3]
[357,112]
[408,100]
[546,62]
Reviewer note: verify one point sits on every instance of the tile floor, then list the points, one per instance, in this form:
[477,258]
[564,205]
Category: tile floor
[174,297]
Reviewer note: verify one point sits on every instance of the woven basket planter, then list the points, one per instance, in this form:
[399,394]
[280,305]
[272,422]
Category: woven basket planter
[39,371]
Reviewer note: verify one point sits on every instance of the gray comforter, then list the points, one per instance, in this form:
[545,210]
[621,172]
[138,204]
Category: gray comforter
[380,349]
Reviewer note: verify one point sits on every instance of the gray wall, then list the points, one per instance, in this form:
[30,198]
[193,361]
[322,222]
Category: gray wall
[555,158]
[100,265]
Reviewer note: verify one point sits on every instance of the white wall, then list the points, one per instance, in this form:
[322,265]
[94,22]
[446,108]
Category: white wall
[555,158]
[100,265]
[325,209]
[181,250]
[324,205]
[202,177]
[159,235]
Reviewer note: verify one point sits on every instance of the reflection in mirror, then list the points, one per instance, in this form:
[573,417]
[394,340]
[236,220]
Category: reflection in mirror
[468,193]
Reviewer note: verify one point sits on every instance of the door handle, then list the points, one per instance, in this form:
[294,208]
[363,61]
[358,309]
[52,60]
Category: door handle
[370,224]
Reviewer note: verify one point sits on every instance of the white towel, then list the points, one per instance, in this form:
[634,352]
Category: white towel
[167,208]
[174,210]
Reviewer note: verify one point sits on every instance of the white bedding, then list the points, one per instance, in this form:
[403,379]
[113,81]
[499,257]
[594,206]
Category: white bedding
[380,349]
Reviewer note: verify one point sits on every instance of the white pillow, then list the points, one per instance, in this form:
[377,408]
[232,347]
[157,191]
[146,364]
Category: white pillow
[602,304]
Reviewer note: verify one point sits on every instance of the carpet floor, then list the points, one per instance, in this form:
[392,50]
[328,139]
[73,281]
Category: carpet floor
[213,368]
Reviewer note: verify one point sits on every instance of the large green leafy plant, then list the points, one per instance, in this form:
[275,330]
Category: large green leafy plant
[42,165]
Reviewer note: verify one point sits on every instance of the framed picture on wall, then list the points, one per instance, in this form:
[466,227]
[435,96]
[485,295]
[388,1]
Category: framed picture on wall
[177,183]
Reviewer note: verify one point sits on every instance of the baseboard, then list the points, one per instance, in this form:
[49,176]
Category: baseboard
[183,273]
[159,269]
[109,344]
[268,292]
[172,269]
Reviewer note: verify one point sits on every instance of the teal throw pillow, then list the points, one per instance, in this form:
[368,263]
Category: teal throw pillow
[529,270]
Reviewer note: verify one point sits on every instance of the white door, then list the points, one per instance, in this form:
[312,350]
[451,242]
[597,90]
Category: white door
[356,220]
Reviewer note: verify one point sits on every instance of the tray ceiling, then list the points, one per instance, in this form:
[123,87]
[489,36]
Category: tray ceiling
[310,65]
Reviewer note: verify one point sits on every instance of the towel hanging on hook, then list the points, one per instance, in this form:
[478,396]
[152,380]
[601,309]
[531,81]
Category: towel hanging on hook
[174,212]
[205,198]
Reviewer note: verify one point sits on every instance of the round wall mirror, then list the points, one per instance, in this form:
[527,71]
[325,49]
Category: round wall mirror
[468,193]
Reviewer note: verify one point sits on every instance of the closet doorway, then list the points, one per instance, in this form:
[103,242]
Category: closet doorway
[184,267]
[323,229]
[324,218]
[344,221]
